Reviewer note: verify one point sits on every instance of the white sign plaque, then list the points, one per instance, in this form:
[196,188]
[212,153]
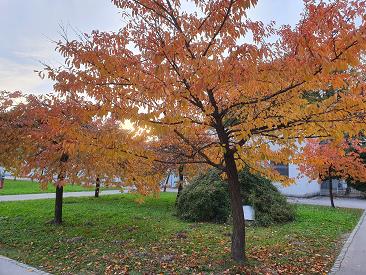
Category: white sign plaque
[249,213]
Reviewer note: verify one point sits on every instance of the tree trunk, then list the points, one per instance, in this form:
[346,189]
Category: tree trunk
[238,235]
[331,187]
[166,182]
[180,182]
[60,190]
[230,168]
[97,188]
[348,191]
[58,204]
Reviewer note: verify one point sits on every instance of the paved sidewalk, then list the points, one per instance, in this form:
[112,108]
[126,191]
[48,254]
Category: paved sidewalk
[339,202]
[12,267]
[40,196]
[26,197]
[352,259]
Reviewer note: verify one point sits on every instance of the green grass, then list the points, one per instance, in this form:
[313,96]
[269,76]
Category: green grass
[15,187]
[115,234]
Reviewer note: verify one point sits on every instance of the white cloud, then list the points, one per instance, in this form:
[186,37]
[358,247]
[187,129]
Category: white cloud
[29,26]
[21,77]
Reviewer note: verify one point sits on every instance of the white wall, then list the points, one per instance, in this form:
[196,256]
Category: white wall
[302,187]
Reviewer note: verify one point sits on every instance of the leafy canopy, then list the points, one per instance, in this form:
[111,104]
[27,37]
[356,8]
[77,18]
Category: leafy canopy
[203,94]
[61,140]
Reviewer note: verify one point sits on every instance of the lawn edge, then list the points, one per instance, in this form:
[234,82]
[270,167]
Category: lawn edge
[28,268]
[338,262]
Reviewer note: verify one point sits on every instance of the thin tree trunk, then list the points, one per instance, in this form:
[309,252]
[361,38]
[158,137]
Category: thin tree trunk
[58,204]
[166,182]
[331,187]
[180,182]
[60,190]
[238,235]
[97,188]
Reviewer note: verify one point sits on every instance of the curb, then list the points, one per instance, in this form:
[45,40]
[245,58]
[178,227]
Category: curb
[342,254]
[27,268]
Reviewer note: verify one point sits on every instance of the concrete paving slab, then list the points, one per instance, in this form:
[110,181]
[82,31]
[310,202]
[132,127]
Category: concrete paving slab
[354,259]
[12,267]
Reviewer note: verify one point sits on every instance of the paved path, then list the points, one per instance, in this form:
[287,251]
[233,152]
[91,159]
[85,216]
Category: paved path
[339,202]
[12,267]
[26,197]
[352,259]
[40,196]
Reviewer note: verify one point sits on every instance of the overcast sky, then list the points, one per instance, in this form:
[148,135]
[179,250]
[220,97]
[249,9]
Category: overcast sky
[27,28]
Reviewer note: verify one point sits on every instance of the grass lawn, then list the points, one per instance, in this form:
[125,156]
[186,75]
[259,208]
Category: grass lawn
[14,187]
[114,234]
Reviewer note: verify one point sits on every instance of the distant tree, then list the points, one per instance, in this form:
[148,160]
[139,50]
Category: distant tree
[60,140]
[329,160]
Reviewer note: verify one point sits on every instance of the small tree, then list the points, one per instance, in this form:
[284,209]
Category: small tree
[59,140]
[332,160]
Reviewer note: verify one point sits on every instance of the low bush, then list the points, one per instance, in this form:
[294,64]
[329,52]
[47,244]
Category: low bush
[207,199]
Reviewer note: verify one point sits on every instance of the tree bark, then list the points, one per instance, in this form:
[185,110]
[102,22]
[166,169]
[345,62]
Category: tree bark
[58,204]
[330,187]
[238,235]
[180,182]
[97,188]
[230,168]
[166,182]
[60,190]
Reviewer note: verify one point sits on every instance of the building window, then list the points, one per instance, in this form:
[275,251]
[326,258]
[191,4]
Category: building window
[283,169]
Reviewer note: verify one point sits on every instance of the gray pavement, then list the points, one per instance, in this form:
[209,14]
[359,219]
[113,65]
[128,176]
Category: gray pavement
[12,267]
[26,197]
[354,259]
[339,202]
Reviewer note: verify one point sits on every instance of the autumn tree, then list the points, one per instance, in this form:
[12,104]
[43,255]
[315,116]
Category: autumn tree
[329,160]
[60,140]
[228,91]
